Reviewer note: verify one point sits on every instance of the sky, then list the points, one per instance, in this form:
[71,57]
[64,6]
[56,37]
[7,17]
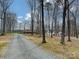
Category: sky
[22,10]
[20,7]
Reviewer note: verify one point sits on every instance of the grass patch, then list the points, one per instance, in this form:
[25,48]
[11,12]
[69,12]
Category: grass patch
[69,50]
[2,45]
[4,41]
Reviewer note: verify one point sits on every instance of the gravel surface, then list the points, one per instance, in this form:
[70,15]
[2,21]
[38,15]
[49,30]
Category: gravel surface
[21,48]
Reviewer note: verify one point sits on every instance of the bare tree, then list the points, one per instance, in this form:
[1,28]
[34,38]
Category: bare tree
[65,8]
[68,21]
[63,25]
[43,29]
[32,4]
[48,7]
[74,24]
[5,4]
[55,13]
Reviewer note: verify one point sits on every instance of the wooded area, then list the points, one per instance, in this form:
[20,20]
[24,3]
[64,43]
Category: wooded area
[53,23]
[47,18]
[56,17]
[7,18]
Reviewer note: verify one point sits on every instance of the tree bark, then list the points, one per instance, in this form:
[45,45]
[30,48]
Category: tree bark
[43,29]
[68,23]
[52,29]
[4,21]
[63,24]
[32,23]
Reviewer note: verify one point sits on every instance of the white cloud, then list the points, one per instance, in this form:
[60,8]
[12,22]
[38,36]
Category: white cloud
[28,16]
[21,20]
[19,17]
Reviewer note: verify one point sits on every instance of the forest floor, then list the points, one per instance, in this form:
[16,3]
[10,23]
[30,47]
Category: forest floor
[68,51]
[3,42]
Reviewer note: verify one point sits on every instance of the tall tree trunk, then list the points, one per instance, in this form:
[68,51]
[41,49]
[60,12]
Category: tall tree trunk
[48,20]
[4,21]
[75,33]
[40,22]
[55,26]
[68,23]
[55,17]
[43,29]
[32,23]
[1,23]
[63,24]
[75,28]
[52,29]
